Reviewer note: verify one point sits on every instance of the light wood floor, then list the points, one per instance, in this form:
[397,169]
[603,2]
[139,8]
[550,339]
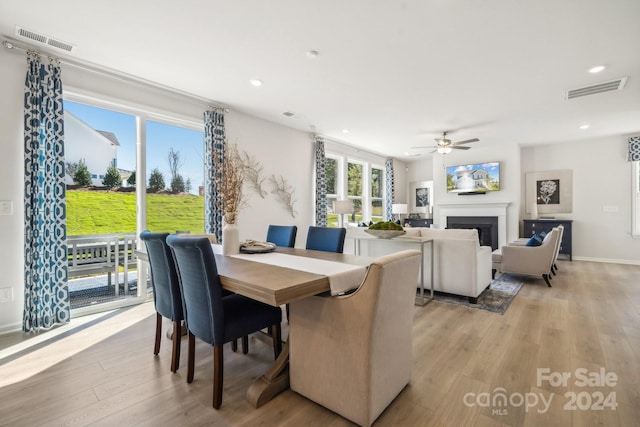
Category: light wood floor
[105,373]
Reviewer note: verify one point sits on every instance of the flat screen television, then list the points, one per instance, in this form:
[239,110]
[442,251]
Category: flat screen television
[477,178]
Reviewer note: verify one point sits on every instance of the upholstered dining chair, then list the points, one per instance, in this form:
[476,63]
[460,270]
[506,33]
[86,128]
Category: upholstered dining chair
[353,354]
[212,317]
[326,239]
[166,291]
[282,235]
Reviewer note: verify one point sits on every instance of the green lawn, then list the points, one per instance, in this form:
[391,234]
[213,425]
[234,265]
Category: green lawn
[98,212]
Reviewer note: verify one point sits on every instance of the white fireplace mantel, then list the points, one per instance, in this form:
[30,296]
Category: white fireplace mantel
[480,209]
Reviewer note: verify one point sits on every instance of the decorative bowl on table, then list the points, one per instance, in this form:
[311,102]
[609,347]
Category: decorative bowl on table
[384,234]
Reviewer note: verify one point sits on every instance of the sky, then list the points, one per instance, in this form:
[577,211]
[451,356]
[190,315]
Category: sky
[160,139]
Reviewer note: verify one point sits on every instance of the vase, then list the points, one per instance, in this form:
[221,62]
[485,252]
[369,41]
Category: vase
[534,209]
[230,240]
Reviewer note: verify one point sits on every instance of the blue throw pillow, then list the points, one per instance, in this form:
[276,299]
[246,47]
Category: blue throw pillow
[535,240]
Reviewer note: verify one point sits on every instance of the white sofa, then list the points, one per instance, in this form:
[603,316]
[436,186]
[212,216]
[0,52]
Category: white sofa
[461,265]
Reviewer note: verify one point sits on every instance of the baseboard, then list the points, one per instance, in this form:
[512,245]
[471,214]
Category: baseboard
[13,327]
[607,260]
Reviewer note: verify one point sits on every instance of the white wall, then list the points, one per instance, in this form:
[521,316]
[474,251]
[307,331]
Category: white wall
[601,177]
[12,70]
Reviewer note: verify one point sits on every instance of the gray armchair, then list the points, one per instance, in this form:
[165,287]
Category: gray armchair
[528,260]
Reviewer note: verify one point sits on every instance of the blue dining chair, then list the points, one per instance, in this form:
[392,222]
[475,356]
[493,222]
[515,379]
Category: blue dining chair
[282,235]
[212,317]
[166,291]
[326,239]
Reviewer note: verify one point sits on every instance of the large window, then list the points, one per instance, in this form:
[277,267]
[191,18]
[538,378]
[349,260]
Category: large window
[331,172]
[174,158]
[377,184]
[357,180]
[103,150]
[355,177]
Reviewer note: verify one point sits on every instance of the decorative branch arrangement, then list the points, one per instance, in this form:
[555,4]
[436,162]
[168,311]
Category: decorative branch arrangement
[284,193]
[253,173]
[229,179]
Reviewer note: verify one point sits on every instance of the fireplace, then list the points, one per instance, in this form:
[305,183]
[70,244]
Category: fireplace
[487,227]
[477,210]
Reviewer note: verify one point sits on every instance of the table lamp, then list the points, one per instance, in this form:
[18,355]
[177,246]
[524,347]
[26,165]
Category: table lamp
[399,209]
[342,207]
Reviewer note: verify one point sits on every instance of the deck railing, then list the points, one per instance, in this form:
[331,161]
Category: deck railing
[102,253]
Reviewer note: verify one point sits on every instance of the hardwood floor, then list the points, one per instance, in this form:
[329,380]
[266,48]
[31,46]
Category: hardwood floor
[104,373]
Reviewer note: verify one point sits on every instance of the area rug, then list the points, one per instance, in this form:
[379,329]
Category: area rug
[496,298]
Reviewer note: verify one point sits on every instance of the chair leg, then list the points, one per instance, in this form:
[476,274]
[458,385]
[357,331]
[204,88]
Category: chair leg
[191,357]
[493,273]
[276,333]
[156,348]
[546,279]
[218,370]
[234,345]
[245,344]
[175,351]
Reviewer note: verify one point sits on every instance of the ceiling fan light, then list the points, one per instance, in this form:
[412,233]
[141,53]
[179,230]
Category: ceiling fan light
[444,150]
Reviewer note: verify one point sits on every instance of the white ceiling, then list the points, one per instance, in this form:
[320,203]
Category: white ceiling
[394,73]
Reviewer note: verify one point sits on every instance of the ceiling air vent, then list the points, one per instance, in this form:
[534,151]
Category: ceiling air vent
[617,84]
[44,39]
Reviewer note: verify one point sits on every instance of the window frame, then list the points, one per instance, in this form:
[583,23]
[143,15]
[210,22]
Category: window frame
[342,180]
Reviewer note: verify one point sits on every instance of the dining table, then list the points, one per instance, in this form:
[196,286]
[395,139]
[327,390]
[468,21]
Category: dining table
[276,285]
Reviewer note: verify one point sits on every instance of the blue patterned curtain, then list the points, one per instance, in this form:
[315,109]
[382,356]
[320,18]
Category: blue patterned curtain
[390,196]
[46,291]
[214,148]
[634,148]
[321,183]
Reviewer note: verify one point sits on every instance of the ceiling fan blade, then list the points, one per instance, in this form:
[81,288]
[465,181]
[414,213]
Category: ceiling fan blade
[423,146]
[455,147]
[466,141]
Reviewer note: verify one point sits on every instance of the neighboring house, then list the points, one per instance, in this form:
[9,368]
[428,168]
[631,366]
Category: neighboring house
[467,180]
[99,149]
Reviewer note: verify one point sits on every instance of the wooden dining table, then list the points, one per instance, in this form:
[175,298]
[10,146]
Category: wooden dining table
[276,286]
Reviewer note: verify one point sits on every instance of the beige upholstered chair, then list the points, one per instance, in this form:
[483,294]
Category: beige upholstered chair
[352,354]
[523,241]
[529,260]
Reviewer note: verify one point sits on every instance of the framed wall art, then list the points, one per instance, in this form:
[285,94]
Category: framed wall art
[421,197]
[549,192]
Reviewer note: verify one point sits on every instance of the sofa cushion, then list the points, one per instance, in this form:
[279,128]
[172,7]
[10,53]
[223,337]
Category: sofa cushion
[450,233]
[535,240]
[412,232]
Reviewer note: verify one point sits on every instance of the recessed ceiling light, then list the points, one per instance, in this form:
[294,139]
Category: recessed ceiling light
[596,69]
[312,53]
[255,82]
[585,126]
[345,130]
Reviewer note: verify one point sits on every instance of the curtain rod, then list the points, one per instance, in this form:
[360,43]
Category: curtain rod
[113,74]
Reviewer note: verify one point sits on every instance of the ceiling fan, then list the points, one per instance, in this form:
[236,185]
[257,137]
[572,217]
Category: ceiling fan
[445,145]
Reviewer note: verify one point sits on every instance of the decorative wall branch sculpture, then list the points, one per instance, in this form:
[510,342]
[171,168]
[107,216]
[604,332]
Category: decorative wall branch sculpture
[284,193]
[253,173]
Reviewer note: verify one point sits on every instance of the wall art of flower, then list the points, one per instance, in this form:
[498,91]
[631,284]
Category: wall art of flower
[548,192]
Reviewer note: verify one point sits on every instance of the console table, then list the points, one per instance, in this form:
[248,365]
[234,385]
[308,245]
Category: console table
[418,241]
[418,222]
[536,226]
